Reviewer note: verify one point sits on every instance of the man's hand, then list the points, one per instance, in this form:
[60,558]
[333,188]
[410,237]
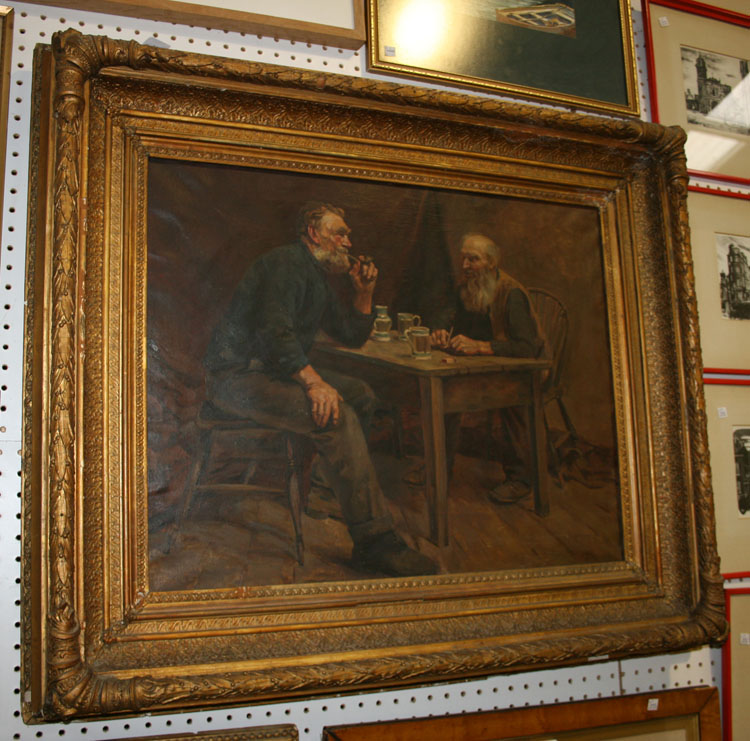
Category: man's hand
[324,399]
[324,403]
[440,338]
[363,274]
[462,345]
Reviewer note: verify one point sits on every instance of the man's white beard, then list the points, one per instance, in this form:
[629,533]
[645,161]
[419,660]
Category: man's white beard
[478,291]
[335,262]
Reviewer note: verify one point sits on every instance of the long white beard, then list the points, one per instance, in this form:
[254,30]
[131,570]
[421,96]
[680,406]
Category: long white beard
[478,291]
[332,262]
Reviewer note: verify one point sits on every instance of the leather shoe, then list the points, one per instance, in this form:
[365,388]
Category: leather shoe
[389,554]
[509,492]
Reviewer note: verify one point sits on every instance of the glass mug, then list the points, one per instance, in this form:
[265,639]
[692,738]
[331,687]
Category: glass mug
[404,321]
[419,339]
[382,324]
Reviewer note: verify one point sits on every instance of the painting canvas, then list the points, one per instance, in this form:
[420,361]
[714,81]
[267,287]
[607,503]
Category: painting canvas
[236,537]
[717,90]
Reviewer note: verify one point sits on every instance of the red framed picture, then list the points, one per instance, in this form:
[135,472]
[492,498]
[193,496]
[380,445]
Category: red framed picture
[697,56]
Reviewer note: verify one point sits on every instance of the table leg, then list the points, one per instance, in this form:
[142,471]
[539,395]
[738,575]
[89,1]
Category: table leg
[432,412]
[539,474]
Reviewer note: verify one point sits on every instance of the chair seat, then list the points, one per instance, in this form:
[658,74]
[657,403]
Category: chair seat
[210,416]
[266,445]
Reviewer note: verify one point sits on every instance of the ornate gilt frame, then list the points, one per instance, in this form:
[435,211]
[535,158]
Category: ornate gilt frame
[96,640]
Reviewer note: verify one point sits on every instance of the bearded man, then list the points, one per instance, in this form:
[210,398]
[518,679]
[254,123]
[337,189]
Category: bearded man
[493,316]
[258,369]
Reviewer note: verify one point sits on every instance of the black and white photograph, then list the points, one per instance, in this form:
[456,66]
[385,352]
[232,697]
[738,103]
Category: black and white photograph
[742,467]
[733,256]
[717,90]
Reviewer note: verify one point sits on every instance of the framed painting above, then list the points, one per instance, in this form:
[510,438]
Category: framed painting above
[338,23]
[570,53]
[698,73]
[492,457]
[6,52]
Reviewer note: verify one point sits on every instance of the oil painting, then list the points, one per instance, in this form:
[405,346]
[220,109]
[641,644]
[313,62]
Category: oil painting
[213,524]
[334,385]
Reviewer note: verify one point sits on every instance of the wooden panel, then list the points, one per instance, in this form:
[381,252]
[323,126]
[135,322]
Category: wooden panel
[505,724]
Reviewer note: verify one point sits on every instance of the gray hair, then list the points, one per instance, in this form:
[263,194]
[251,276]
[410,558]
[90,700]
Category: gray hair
[312,213]
[484,244]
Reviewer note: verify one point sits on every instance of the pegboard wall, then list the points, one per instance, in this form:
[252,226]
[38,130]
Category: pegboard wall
[35,24]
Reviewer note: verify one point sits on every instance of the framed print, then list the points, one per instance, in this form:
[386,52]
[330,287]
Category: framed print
[337,384]
[729,440]
[572,53]
[6,52]
[688,715]
[260,733]
[720,235]
[339,23]
[734,664]
[698,67]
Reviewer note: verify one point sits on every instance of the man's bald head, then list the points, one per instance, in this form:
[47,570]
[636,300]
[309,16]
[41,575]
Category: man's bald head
[481,245]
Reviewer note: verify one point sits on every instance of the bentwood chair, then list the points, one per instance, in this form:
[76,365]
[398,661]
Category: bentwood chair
[255,446]
[553,323]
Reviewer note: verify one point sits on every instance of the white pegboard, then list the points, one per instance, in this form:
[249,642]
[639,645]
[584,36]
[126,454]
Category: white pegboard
[641,66]
[35,24]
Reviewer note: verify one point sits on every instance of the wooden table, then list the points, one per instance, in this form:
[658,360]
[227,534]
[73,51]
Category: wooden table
[443,384]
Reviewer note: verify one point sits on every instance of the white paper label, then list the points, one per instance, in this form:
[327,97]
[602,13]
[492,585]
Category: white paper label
[663,21]
[653,704]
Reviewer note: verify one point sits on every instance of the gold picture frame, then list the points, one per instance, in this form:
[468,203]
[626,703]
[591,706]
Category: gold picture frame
[259,733]
[209,15]
[579,55]
[689,714]
[101,634]
[6,53]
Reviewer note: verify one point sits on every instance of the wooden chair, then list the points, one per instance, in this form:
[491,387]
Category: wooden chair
[255,445]
[553,323]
